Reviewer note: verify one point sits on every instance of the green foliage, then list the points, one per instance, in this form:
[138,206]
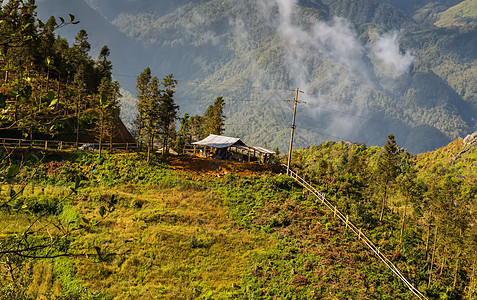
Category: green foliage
[148,228]
[157,111]
[39,73]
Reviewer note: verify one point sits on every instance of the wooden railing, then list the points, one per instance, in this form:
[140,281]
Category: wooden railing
[62,145]
[357,231]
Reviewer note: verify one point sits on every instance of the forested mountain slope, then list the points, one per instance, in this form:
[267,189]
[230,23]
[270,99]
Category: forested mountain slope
[367,68]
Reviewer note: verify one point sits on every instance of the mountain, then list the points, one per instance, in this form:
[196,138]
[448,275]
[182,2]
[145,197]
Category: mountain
[462,14]
[368,68]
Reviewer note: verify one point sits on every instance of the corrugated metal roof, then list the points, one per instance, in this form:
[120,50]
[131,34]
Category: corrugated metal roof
[219,141]
[263,150]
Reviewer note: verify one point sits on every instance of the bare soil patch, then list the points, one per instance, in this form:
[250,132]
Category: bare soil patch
[214,167]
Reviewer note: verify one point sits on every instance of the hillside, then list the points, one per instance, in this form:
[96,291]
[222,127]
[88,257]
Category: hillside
[117,228]
[462,14]
[367,70]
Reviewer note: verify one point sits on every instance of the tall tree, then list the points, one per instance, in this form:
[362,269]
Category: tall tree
[168,110]
[184,134]
[214,118]
[108,109]
[410,188]
[103,65]
[196,127]
[142,91]
[151,115]
[386,171]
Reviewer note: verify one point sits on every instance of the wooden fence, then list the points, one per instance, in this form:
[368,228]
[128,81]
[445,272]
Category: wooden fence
[357,231]
[62,145]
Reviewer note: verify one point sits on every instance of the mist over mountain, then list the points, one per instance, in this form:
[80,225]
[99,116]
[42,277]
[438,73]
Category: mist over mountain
[368,68]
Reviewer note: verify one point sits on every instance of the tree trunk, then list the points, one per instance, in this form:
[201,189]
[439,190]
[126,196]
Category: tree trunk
[77,123]
[383,204]
[101,131]
[433,256]
[455,273]
[427,240]
[403,222]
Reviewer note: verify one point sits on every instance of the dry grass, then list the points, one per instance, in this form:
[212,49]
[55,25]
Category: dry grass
[177,243]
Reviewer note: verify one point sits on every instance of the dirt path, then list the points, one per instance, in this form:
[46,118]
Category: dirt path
[214,167]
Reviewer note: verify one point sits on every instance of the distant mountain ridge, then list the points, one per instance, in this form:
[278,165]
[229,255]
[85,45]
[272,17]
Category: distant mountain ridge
[367,67]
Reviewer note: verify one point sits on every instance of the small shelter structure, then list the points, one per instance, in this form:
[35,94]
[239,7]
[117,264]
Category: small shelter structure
[232,148]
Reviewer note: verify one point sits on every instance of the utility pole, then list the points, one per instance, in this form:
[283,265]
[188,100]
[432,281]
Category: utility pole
[293,129]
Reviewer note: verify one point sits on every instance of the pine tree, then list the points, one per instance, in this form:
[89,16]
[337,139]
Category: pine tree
[387,171]
[196,128]
[214,119]
[168,112]
[184,134]
[142,90]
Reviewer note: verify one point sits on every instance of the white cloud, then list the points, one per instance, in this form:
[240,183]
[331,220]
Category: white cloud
[391,60]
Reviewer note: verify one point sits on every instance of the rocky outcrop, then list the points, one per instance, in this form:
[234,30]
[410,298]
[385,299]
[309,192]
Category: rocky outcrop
[471,140]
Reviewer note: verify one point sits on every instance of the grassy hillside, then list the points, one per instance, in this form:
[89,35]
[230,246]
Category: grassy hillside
[462,14]
[117,228]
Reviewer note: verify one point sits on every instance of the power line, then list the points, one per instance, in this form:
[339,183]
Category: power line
[232,101]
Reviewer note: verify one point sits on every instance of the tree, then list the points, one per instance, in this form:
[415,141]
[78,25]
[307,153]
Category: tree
[157,110]
[184,134]
[196,128]
[142,90]
[108,108]
[151,115]
[214,118]
[386,170]
[79,85]
[167,112]
[103,65]
[411,190]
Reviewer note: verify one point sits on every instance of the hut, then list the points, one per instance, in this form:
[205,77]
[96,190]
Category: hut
[224,147]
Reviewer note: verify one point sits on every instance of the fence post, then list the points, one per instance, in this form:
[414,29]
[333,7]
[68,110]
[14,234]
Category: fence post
[46,145]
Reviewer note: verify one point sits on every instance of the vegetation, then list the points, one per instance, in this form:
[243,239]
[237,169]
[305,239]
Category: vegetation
[462,14]
[248,63]
[80,225]
[157,111]
[114,226]
[49,89]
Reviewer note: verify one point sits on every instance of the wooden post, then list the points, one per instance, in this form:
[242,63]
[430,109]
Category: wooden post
[295,102]
[46,145]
